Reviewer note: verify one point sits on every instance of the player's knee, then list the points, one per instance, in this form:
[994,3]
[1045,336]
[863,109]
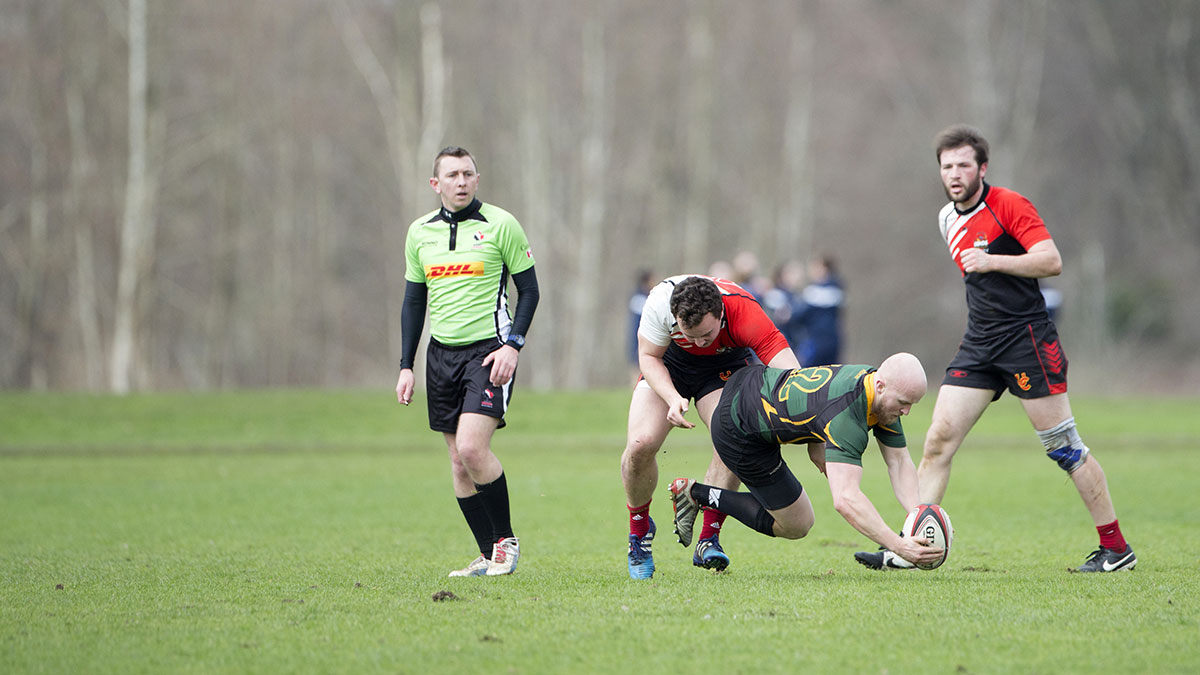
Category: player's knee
[797,530]
[472,455]
[798,524]
[642,447]
[1064,446]
[938,444]
[458,471]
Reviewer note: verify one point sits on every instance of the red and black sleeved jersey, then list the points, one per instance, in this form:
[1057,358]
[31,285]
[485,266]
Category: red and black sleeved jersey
[746,325]
[1003,223]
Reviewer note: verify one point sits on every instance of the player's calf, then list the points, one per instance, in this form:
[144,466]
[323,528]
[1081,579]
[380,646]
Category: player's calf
[1064,446]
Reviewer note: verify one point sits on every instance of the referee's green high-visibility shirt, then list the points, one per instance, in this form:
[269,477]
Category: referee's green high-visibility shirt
[464,259]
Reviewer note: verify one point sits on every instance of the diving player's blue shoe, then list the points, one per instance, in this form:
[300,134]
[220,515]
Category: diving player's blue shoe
[710,555]
[641,561]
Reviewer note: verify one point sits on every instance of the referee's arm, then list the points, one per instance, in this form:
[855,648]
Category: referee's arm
[412,319]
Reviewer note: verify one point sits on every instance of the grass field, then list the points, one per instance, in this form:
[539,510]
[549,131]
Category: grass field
[307,532]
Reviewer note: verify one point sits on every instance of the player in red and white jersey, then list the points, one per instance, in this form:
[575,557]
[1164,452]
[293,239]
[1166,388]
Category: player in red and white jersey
[695,332]
[1002,247]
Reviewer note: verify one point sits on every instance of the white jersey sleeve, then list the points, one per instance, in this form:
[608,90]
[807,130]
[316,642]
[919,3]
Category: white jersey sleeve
[657,324]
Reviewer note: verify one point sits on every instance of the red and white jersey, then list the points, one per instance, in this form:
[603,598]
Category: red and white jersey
[745,323]
[1003,223]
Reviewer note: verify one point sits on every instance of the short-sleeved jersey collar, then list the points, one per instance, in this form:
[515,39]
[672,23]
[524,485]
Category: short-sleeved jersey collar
[469,212]
[869,387]
[982,198]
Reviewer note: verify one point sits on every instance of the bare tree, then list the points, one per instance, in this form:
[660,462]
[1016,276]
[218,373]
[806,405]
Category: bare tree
[795,228]
[392,94]
[137,223]
[696,120]
[86,304]
[1004,66]
[588,283]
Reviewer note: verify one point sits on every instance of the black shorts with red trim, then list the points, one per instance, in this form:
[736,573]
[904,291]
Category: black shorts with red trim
[696,376]
[1027,361]
[457,382]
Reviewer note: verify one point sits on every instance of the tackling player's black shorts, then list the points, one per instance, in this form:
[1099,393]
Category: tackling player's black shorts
[696,376]
[757,462]
[456,382]
[1028,361]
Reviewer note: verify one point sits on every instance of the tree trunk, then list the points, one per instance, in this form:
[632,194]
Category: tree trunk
[31,342]
[133,225]
[697,120]
[795,230]
[86,306]
[590,251]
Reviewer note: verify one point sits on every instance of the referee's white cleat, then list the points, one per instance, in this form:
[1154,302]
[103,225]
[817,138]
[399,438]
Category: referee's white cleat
[504,557]
[477,568]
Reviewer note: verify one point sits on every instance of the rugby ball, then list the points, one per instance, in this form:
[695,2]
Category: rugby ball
[930,521]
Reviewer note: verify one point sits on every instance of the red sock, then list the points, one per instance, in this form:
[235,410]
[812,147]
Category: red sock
[712,523]
[1111,538]
[639,519]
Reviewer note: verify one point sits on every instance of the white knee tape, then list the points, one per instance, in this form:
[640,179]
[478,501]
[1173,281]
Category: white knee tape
[1064,446]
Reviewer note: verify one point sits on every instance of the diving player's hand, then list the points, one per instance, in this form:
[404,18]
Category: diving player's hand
[404,386]
[504,364]
[918,550]
[676,411]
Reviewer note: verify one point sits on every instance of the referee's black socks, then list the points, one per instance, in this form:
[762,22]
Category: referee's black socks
[495,504]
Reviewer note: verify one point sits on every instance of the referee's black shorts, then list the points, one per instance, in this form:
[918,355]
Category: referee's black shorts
[1028,361]
[457,382]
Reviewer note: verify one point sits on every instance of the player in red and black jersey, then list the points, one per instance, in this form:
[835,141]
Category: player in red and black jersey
[695,332]
[1002,247]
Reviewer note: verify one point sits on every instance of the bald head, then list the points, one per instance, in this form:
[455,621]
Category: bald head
[903,374]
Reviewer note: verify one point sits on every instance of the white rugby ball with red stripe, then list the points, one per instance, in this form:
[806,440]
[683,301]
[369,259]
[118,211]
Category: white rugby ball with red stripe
[930,521]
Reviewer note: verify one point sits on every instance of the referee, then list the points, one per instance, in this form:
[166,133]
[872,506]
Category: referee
[457,263]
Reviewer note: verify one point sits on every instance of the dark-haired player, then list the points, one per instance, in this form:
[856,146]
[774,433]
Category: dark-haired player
[695,332]
[1002,247]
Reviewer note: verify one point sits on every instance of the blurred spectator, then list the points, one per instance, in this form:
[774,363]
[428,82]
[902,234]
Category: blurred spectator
[820,314]
[1053,298]
[642,284]
[746,275]
[721,269]
[782,302]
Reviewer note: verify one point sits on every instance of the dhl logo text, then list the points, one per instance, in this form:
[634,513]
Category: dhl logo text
[471,269]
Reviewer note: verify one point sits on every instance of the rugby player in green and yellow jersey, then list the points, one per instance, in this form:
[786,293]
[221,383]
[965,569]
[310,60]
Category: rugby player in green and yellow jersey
[458,262]
[763,408]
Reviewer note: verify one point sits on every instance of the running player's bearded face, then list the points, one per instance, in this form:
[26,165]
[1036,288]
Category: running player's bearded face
[962,177]
[456,182]
[704,333]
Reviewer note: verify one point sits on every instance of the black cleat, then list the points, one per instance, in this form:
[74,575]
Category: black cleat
[882,560]
[1108,560]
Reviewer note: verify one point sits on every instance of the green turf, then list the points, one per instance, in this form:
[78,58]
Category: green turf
[308,531]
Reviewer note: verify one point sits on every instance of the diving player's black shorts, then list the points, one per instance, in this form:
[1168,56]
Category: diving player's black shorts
[696,376]
[1028,361]
[757,462]
[456,382]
